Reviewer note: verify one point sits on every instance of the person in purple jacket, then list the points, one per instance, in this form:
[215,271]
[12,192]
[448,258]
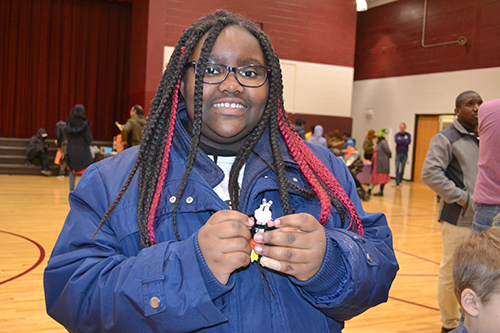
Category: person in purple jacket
[403,140]
[158,238]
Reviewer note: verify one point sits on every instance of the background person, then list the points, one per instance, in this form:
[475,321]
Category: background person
[403,140]
[299,127]
[348,142]
[317,137]
[158,236]
[79,137]
[37,149]
[487,189]
[132,130]
[380,165]
[368,145]
[450,170]
[62,144]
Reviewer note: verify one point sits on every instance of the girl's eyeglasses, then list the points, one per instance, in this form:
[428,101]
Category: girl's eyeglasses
[252,76]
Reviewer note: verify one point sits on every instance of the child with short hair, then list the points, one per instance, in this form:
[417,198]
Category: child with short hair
[476,273]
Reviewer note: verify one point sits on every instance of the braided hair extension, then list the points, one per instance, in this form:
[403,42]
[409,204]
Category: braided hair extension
[166,155]
[152,161]
[197,117]
[317,174]
[149,153]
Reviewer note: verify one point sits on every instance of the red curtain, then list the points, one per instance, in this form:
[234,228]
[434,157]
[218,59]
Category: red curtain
[57,53]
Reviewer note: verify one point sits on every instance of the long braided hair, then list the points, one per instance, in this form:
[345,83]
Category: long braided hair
[154,152]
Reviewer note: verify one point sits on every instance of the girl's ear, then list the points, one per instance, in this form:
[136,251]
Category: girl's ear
[470,302]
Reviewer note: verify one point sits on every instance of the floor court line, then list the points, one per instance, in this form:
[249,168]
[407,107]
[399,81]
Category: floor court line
[39,261]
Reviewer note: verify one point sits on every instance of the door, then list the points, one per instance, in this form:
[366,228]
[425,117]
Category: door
[426,127]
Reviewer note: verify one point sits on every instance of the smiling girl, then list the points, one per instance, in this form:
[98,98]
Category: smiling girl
[158,237]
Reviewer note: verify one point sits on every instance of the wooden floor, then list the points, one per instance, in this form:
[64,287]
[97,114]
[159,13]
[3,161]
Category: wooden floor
[33,209]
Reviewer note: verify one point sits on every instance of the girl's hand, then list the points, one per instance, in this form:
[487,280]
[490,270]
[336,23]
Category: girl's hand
[297,247]
[225,243]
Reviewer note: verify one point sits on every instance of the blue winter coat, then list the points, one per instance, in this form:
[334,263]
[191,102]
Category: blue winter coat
[111,285]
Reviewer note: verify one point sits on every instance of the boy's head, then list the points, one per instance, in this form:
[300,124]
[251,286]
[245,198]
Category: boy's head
[300,122]
[476,273]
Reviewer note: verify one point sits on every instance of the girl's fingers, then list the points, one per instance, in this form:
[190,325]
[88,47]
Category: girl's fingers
[271,263]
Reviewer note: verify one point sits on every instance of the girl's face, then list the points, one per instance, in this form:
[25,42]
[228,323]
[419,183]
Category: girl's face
[230,111]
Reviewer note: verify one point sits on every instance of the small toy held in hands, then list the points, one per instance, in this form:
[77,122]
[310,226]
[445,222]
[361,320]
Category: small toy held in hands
[262,215]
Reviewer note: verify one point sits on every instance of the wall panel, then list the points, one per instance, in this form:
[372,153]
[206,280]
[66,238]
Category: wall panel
[310,30]
[389,37]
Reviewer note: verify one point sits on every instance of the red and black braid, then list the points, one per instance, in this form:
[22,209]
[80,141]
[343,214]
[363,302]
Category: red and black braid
[315,172]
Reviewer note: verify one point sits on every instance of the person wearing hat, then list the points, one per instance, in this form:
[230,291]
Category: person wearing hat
[37,149]
[381,165]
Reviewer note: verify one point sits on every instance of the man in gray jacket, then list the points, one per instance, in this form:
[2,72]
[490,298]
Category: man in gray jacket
[450,169]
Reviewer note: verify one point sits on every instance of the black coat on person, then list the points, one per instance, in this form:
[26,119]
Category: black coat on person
[79,139]
[37,144]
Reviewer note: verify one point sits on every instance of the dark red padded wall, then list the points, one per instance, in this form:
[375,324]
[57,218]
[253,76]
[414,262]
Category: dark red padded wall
[389,37]
[314,31]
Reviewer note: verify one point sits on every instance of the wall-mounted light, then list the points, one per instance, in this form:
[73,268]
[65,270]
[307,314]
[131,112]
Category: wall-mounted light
[361,5]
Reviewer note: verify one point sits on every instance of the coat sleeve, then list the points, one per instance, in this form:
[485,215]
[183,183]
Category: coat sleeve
[386,149]
[367,146]
[111,285]
[127,128]
[369,260]
[436,162]
[88,135]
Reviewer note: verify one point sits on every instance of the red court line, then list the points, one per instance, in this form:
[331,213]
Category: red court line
[431,275]
[413,303]
[415,256]
[40,259]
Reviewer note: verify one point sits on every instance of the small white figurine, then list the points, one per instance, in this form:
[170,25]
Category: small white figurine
[262,215]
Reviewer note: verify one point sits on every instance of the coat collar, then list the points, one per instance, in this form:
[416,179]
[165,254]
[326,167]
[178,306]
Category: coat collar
[462,129]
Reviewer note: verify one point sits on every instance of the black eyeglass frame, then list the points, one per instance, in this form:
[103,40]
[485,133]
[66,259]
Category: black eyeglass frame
[232,69]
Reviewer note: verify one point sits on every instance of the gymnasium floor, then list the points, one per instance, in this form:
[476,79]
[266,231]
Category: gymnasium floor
[33,209]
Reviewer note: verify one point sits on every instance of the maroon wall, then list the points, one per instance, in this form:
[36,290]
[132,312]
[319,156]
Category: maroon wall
[146,49]
[329,123]
[388,41]
[313,31]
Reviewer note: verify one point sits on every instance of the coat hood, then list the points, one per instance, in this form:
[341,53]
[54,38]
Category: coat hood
[41,134]
[318,131]
[69,129]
